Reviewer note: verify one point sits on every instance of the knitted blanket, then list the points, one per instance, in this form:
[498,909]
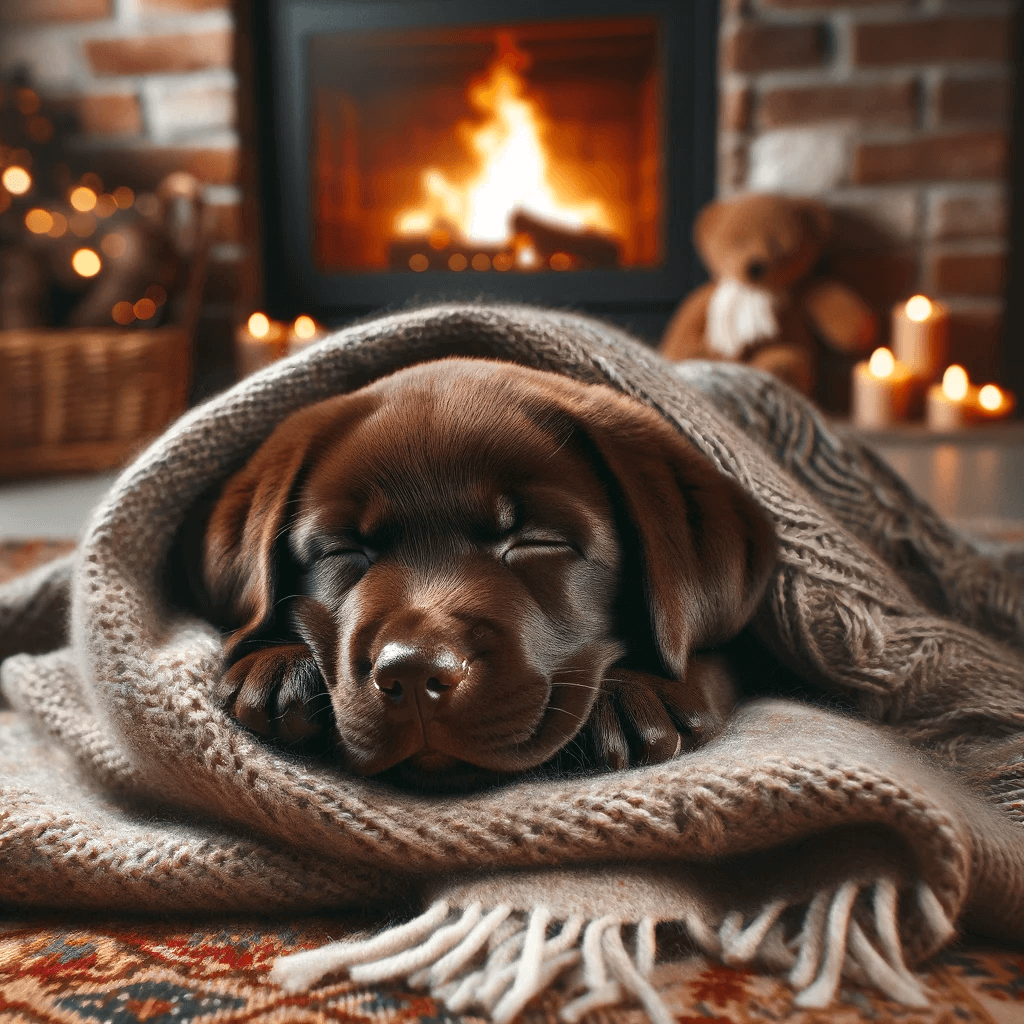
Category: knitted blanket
[821,843]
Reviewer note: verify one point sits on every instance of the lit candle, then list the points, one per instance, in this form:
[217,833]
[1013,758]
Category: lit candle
[304,331]
[881,391]
[994,403]
[258,342]
[953,404]
[920,336]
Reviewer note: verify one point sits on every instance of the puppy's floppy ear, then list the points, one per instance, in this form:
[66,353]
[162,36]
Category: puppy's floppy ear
[244,552]
[707,547]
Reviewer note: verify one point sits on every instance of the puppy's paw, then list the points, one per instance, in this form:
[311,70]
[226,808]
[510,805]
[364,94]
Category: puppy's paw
[277,692]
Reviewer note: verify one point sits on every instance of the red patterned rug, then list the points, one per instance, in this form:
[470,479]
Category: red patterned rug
[96,969]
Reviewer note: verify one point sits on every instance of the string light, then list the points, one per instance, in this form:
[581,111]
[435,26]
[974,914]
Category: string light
[123,196]
[123,313]
[60,225]
[144,308]
[418,262]
[82,199]
[39,221]
[113,245]
[17,180]
[86,263]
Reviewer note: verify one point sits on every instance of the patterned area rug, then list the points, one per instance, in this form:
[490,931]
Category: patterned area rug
[96,969]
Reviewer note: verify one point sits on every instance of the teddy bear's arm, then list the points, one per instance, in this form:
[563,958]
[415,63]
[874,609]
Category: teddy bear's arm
[685,335]
[839,316]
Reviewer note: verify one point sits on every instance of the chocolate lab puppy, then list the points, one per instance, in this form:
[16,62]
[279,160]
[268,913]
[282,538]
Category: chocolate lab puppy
[469,568]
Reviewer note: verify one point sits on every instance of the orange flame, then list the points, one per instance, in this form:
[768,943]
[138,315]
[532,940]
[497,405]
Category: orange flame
[513,171]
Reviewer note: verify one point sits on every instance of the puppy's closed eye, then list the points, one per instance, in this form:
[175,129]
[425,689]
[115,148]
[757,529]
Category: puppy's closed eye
[469,568]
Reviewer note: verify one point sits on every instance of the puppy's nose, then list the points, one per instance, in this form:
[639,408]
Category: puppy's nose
[403,672]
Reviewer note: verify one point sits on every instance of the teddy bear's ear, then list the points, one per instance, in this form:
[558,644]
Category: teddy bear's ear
[818,219]
[705,225]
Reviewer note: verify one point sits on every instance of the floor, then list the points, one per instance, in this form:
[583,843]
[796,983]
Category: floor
[976,475]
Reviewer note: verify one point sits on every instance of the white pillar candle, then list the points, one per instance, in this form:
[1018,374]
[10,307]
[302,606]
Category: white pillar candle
[259,342]
[304,331]
[881,392]
[920,336]
[952,404]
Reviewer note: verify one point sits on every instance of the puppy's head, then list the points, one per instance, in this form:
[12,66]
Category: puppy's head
[467,547]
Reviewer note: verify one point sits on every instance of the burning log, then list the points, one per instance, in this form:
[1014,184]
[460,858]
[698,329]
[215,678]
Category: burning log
[585,249]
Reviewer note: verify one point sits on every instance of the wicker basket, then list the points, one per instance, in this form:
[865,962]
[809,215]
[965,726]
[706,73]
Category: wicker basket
[86,399]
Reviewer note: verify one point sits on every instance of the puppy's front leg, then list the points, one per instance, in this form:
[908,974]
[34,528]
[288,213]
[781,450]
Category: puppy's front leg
[277,692]
[644,719]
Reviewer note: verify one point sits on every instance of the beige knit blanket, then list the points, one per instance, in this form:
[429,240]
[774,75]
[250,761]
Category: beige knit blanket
[814,843]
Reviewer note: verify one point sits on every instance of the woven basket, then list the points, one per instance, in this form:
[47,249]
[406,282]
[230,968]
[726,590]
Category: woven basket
[86,399]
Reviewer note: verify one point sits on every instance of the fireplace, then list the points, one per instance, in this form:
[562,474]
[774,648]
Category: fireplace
[552,152]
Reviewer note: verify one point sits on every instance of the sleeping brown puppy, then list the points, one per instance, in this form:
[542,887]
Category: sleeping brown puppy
[468,568]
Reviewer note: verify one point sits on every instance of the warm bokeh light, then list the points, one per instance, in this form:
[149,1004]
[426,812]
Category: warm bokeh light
[457,261]
[82,199]
[259,325]
[93,181]
[123,196]
[439,239]
[86,263]
[990,398]
[60,225]
[503,261]
[882,363]
[304,327]
[40,129]
[123,313]
[418,262]
[113,245]
[560,261]
[38,221]
[955,383]
[918,308]
[27,101]
[144,309]
[106,205]
[481,261]
[17,180]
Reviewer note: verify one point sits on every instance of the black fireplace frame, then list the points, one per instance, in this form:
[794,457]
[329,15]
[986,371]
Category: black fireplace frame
[270,42]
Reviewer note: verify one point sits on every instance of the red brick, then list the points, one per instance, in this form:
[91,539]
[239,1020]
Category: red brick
[140,55]
[969,156]
[734,109]
[888,104]
[974,340]
[223,222]
[880,278]
[968,273]
[145,168]
[733,162]
[109,115]
[932,40]
[55,10]
[759,47]
[975,99]
[968,216]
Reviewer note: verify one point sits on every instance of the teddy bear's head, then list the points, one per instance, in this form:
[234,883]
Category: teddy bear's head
[767,241]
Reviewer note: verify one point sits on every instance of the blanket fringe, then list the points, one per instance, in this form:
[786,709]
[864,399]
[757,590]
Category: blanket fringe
[496,962]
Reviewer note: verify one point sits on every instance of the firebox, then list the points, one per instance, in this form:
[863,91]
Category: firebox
[553,152]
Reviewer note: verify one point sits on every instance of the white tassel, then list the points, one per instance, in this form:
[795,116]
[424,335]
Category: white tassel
[823,990]
[630,978]
[811,940]
[935,917]
[450,964]
[528,973]
[298,971]
[403,964]
[892,982]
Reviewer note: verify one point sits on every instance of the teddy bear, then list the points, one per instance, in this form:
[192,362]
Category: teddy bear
[764,306]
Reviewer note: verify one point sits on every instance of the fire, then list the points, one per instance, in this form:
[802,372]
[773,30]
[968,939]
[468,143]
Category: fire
[513,173]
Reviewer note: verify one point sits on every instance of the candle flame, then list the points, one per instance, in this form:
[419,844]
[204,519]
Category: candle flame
[954,383]
[304,327]
[918,309]
[259,325]
[882,363]
[990,397]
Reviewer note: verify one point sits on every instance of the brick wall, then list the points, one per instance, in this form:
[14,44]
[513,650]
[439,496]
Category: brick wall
[896,113]
[893,111]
